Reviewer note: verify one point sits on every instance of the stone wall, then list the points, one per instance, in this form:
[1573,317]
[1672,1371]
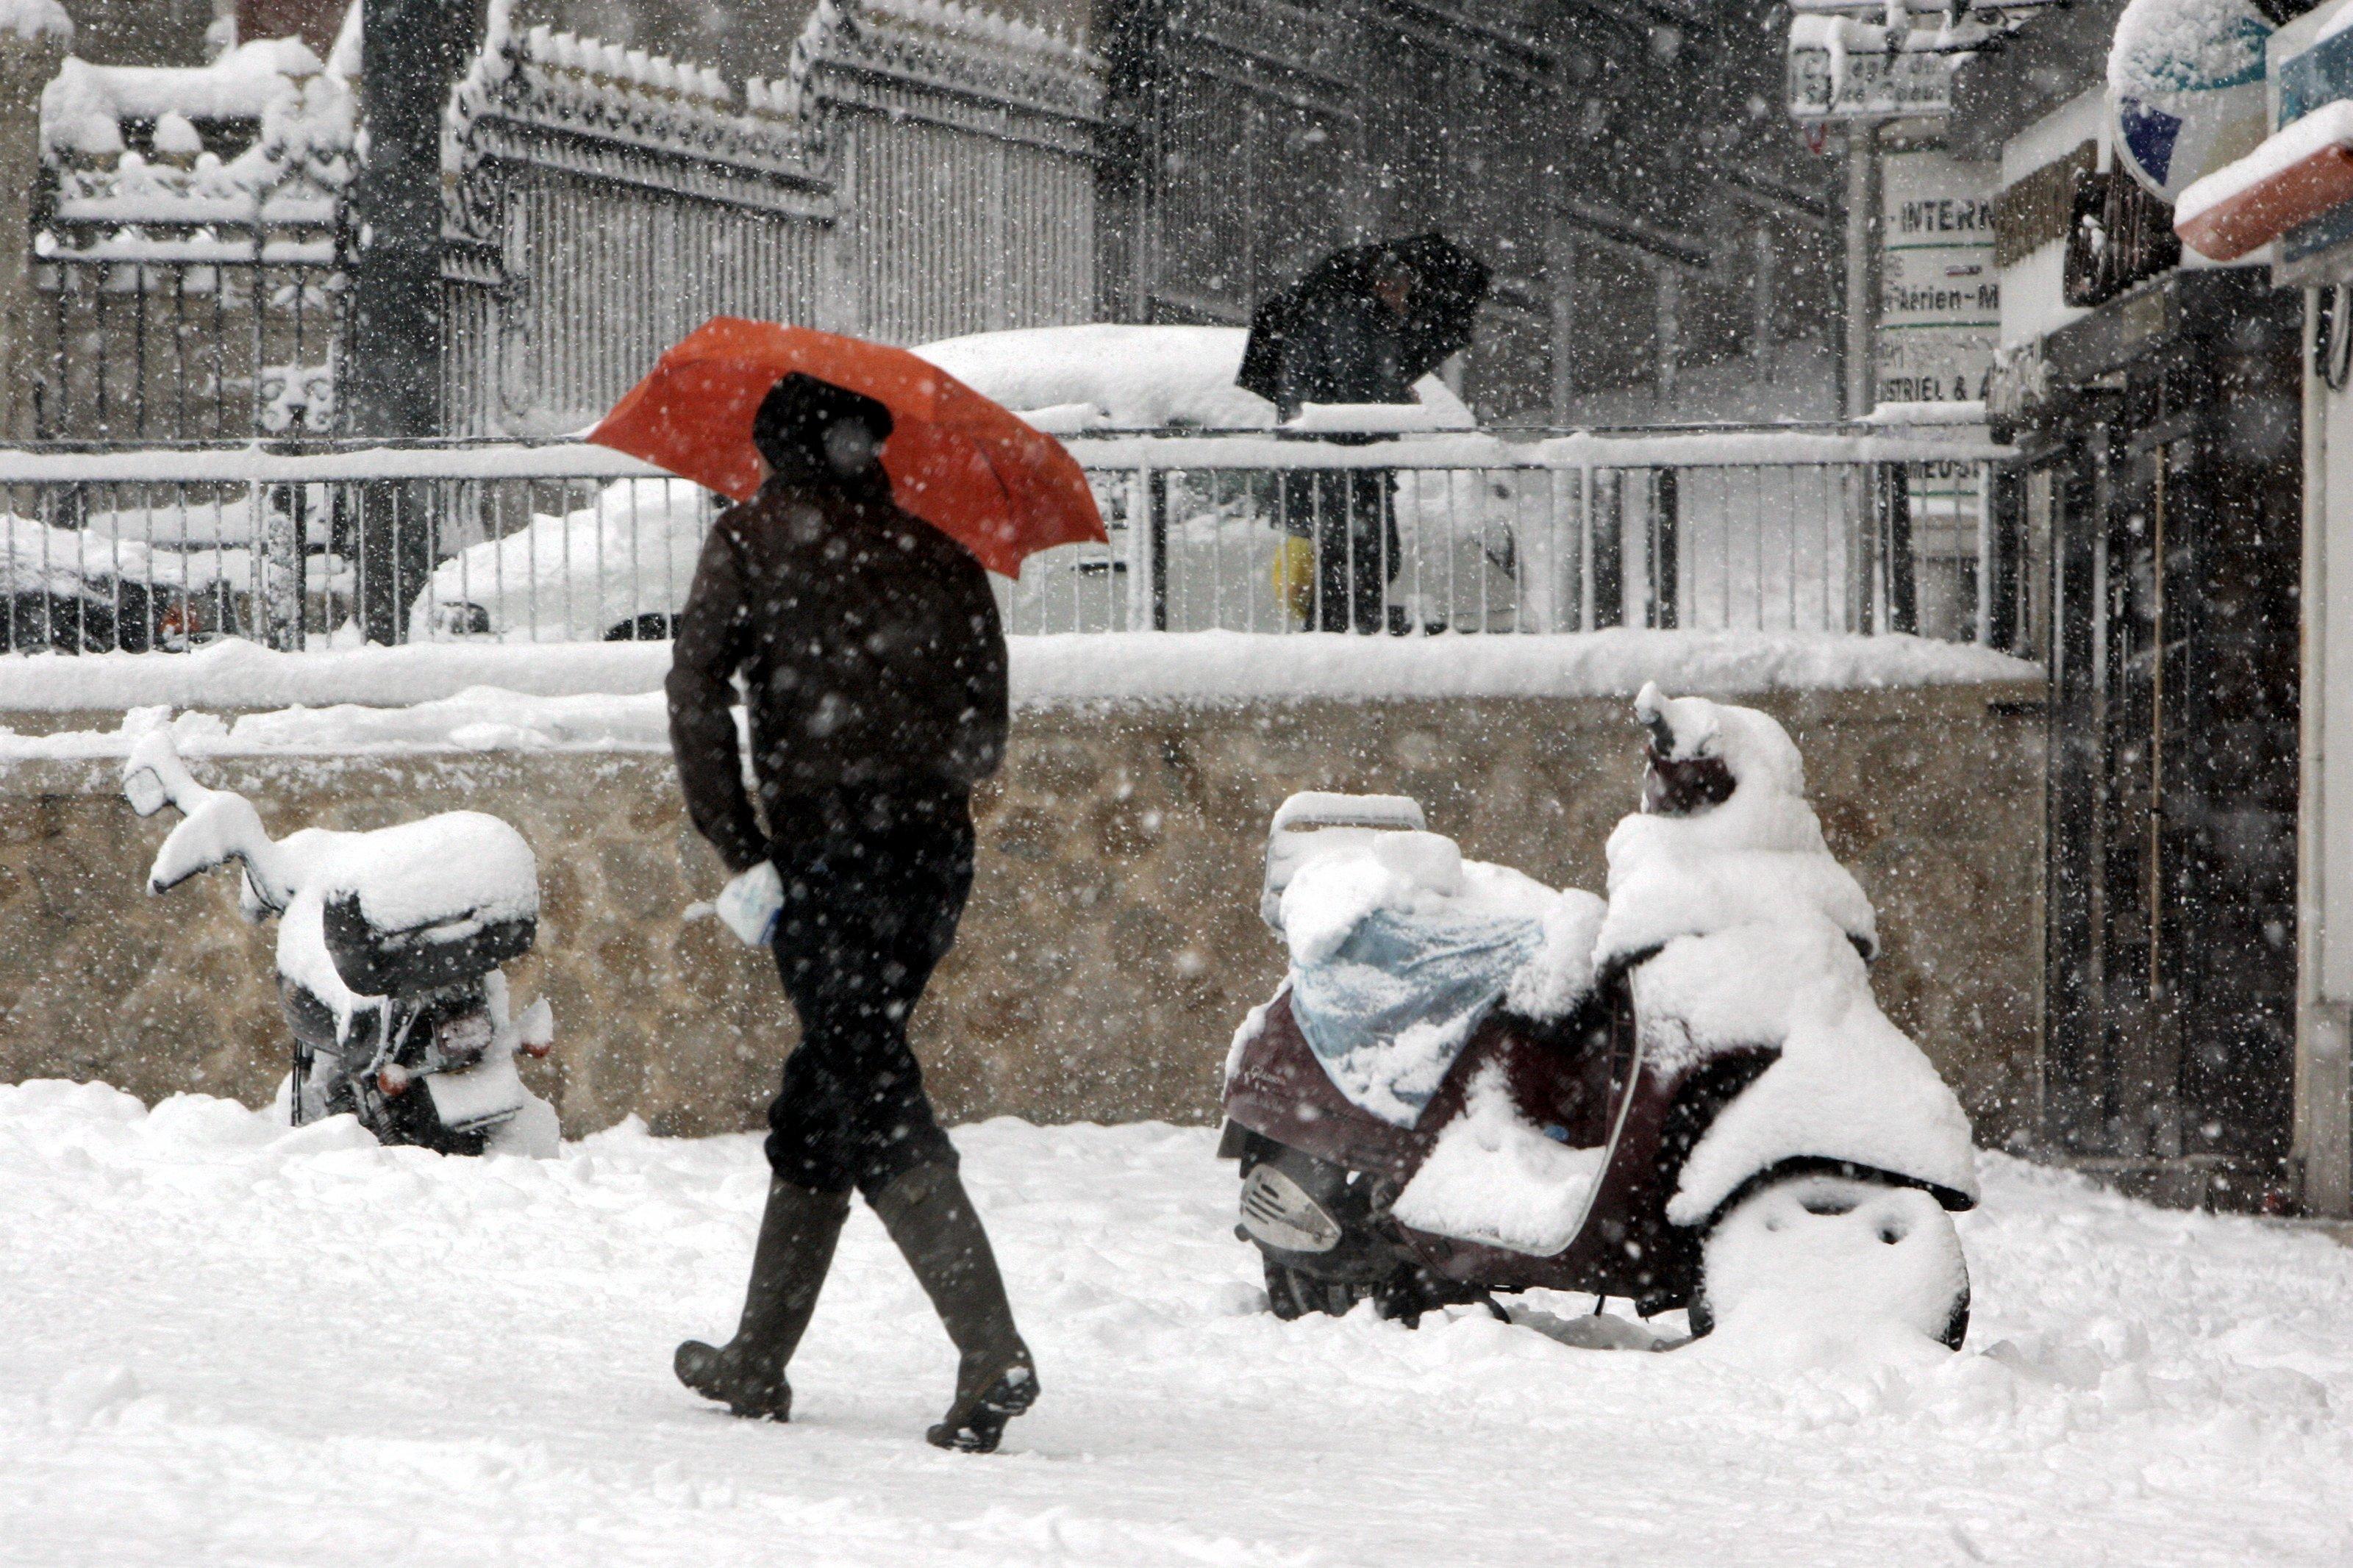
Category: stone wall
[1113,941]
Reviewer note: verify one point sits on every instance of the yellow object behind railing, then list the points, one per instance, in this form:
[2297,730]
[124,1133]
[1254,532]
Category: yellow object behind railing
[1294,577]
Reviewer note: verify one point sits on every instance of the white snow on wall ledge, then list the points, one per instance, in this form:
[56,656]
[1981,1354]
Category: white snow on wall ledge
[1210,667]
[1178,666]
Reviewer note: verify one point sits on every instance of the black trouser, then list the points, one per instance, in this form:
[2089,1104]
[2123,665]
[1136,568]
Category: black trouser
[874,883]
[1349,513]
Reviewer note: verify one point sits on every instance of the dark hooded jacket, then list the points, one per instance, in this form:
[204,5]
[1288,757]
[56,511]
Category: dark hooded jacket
[869,643]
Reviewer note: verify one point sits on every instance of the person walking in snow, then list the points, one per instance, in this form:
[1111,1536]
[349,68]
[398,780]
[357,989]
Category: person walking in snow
[1362,326]
[875,673]
[1347,346]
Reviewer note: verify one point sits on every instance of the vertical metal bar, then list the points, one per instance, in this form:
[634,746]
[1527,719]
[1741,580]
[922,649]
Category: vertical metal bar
[1585,562]
[1666,545]
[1985,584]
[1139,550]
[565,532]
[1157,525]
[1217,548]
[1903,602]
[1351,589]
[180,356]
[301,543]
[1317,613]
[1720,484]
[261,303]
[97,306]
[1790,520]
[139,348]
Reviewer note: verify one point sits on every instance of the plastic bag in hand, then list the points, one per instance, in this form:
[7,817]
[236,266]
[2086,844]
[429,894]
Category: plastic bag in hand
[752,902]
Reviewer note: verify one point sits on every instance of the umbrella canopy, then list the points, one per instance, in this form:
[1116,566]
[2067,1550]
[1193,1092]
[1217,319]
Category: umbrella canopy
[1449,284]
[967,467]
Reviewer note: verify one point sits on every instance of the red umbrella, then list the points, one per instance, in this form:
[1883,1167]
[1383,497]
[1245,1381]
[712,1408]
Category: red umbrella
[962,463]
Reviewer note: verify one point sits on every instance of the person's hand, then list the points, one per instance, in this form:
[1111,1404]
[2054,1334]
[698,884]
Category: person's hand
[750,904]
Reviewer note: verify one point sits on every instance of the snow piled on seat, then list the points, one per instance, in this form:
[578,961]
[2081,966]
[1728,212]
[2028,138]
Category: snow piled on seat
[1759,936]
[458,865]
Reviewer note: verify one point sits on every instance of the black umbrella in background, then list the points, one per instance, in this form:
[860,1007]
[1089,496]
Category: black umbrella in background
[1448,284]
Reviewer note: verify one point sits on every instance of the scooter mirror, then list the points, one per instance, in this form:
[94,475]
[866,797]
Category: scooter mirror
[145,791]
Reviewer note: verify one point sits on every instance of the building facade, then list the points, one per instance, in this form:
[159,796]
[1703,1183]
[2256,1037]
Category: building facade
[2172,537]
[619,169]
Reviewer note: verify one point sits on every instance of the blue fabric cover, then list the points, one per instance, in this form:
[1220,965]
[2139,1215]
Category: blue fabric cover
[1396,971]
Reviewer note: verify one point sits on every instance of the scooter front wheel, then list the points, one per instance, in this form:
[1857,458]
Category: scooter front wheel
[409,1118]
[1836,1247]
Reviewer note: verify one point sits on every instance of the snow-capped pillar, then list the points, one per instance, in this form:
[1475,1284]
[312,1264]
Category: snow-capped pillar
[34,35]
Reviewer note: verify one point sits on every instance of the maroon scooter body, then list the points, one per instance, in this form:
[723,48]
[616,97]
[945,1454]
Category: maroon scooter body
[1582,1080]
[1573,1076]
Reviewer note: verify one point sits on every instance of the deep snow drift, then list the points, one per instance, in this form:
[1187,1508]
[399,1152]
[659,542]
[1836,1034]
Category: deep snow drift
[222,1342]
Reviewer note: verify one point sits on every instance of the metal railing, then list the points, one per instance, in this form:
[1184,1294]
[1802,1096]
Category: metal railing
[332,543]
[1769,530]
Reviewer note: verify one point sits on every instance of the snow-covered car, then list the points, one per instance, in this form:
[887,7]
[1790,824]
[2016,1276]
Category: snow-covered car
[615,570]
[63,591]
[181,568]
[1459,532]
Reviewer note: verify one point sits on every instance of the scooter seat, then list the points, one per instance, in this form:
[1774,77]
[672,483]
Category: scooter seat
[428,904]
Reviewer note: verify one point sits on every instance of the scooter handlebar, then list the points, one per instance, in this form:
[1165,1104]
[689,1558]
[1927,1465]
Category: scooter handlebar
[217,826]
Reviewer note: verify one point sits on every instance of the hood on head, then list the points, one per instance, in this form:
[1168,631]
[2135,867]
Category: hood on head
[790,428]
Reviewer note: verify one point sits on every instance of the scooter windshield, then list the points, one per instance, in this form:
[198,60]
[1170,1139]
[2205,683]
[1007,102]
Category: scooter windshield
[1390,1008]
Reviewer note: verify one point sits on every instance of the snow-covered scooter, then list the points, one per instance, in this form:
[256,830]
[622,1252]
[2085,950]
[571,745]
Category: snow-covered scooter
[1686,1096]
[389,944]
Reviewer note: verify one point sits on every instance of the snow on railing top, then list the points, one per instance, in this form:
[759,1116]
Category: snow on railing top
[1246,449]
[572,81]
[243,84]
[967,48]
[607,696]
[978,23]
[292,173]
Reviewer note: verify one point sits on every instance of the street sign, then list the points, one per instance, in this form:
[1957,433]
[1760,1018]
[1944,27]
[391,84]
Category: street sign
[1940,295]
[1873,86]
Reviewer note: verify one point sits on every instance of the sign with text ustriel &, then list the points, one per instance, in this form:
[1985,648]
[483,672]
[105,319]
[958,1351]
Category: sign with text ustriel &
[1940,296]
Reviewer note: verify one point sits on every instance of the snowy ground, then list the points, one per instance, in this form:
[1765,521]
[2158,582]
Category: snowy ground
[224,1342]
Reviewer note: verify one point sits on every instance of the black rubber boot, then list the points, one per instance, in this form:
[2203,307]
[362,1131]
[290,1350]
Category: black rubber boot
[747,1373]
[928,1214]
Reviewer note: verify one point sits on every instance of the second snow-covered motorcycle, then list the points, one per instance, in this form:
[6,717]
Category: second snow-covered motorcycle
[1684,1094]
[389,944]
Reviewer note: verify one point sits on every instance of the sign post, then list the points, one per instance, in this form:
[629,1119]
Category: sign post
[409,51]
